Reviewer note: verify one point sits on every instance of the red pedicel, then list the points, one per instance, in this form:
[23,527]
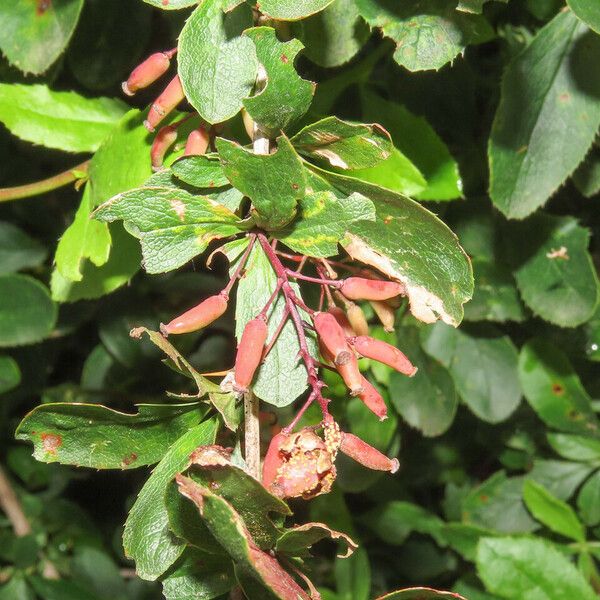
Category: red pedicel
[198,317]
[357,319]
[383,353]
[197,142]
[171,96]
[372,399]
[249,353]
[358,288]
[385,313]
[146,73]
[333,337]
[163,140]
[366,455]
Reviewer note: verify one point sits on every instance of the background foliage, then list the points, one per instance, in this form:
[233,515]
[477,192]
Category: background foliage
[493,109]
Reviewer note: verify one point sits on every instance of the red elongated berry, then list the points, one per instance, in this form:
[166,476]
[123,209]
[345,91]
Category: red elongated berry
[333,337]
[197,142]
[273,459]
[249,353]
[163,140]
[383,353]
[366,455]
[385,313]
[358,288]
[350,373]
[342,319]
[357,319]
[372,399]
[146,73]
[171,96]
[198,317]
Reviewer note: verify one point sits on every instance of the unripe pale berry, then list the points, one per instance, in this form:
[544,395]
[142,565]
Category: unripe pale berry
[357,319]
[165,103]
[333,337]
[383,353]
[249,353]
[385,313]
[198,317]
[358,288]
[163,140]
[366,455]
[373,399]
[342,319]
[197,142]
[146,73]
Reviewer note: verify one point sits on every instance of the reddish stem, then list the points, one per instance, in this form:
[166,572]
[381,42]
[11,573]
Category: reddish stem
[320,280]
[241,264]
[284,318]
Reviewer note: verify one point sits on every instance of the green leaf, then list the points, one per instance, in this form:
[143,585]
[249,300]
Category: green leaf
[473,6]
[588,500]
[200,576]
[286,96]
[84,239]
[297,540]
[61,120]
[525,568]
[323,221]
[421,593]
[561,478]
[547,118]
[463,538]
[281,378]
[27,313]
[171,4]
[587,175]
[428,33]
[554,390]
[10,374]
[292,10]
[58,589]
[201,171]
[34,35]
[555,514]
[409,244]
[173,226]
[333,36]
[588,11]
[418,141]
[103,49]
[353,576]
[18,250]
[342,144]
[495,297]
[575,447]
[497,504]
[147,538]
[428,400]
[217,84]
[554,270]
[274,182]
[91,435]
[483,364]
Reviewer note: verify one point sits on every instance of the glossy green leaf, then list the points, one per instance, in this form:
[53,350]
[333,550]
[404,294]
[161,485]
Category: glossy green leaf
[554,270]
[201,171]
[323,221]
[274,182]
[27,313]
[520,568]
[217,84]
[200,576]
[464,537]
[147,538]
[91,435]
[483,364]
[560,477]
[495,297]
[414,137]
[555,514]
[409,244]
[353,576]
[428,400]
[575,447]
[34,35]
[421,593]
[171,4]
[18,250]
[547,118]
[292,10]
[286,96]
[554,390]
[333,36]
[281,378]
[588,500]
[61,120]
[427,33]
[173,226]
[297,540]
[587,175]
[10,374]
[588,11]
[473,6]
[342,144]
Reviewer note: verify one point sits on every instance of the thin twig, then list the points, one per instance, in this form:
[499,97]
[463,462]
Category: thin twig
[252,434]
[12,507]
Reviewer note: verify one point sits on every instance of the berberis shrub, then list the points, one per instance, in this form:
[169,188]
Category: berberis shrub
[358,234]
